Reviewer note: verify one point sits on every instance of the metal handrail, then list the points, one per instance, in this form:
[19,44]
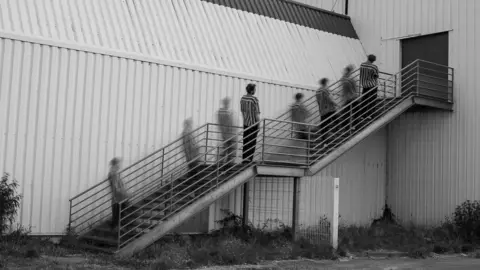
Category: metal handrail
[76,202]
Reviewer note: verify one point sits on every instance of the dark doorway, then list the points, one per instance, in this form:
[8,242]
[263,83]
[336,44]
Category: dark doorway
[427,78]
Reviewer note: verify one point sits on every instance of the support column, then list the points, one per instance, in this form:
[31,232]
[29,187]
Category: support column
[211,217]
[334,225]
[296,206]
[245,203]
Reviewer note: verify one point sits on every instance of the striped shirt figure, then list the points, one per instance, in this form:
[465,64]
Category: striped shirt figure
[368,75]
[251,115]
[368,81]
[250,109]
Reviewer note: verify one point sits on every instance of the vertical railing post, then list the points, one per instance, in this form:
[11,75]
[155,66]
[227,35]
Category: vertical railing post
[70,217]
[308,145]
[171,192]
[350,115]
[218,165]
[263,141]
[418,79]
[119,224]
[450,88]
[384,96]
[206,144]
[163,160]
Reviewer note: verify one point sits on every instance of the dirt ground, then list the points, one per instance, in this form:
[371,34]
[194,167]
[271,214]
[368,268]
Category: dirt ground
[444,263]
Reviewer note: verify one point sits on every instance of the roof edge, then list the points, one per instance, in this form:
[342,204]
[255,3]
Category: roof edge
[343,16]
[296,13]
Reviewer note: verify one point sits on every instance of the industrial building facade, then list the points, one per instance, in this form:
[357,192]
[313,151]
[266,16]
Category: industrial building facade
[82,82]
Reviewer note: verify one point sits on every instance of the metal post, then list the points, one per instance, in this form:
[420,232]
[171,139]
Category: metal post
[384,96]
[263,142]
[350,111]
[418,79]
[218,165]
[70,217]
[163,159]
[245,204]
[450,89]
[171,192]
[206,144]
[295,207]
[308,145]
[119,223]
[334,225]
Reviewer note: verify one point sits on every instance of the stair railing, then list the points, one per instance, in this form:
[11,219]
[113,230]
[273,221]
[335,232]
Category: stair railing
[350,120]
[181,192]
[215,172]
[93,206]
[136,220]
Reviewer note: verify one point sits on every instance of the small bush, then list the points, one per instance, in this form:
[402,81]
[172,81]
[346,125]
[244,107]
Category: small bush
[467,220]
[9,203]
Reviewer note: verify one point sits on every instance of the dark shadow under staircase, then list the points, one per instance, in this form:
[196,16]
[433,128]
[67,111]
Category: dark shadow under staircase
[165,192]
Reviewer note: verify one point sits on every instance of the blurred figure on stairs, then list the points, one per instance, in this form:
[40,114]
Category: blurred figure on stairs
[351,106]
[191,150]
[251,116]
[227,129]
[119,193]
[369,84]
[327,108]
[299,115]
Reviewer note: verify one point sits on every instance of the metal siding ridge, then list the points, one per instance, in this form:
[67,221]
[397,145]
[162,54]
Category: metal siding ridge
[141,57]
[303,14]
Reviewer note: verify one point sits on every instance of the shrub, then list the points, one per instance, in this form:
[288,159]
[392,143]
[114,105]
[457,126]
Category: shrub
[467,220]
[9,203]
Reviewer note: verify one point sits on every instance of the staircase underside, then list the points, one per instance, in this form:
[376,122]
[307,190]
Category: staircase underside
[278,170]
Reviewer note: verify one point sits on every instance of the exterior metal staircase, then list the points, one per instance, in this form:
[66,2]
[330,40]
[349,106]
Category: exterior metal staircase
[165,193]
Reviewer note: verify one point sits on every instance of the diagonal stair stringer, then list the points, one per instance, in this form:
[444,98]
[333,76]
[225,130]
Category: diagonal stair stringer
[163,228]
[375,126]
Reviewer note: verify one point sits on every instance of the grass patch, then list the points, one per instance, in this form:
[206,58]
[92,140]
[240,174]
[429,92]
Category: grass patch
[386,234]
[233,244]
[19,250]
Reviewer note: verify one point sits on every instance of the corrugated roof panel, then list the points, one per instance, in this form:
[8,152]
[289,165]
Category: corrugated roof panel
[277,9]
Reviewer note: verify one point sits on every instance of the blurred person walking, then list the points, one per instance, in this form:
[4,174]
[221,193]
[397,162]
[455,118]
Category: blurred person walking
[327,108]
[228,131]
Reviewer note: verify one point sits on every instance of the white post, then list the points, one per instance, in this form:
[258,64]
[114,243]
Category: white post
[211,217]
[334,225]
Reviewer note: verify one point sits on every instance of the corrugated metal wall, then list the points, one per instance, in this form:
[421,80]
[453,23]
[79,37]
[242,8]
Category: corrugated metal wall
[65,113]
[362,174]
[81,82]
[433,156]
[190,31]
[337,6]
